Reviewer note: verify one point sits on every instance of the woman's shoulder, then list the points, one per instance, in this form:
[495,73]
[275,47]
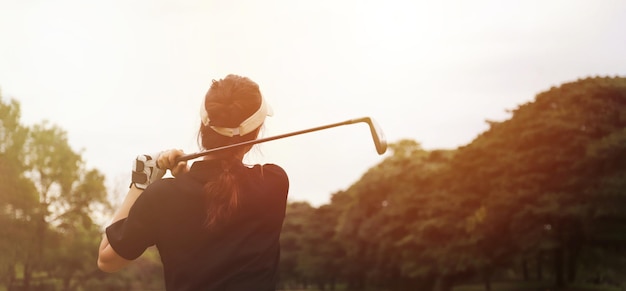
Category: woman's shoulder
[272,174]
[274,169]
[269,171]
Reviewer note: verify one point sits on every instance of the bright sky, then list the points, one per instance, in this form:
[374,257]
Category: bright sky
[126,77]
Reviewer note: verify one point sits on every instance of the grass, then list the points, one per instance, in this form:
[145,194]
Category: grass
[589,287]
[506,286]
[535,286]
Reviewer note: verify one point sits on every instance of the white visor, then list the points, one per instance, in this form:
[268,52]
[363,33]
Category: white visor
[247,126]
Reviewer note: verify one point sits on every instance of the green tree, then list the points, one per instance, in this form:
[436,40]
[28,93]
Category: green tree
[536,176]
[53,166]
[543,182]
[320,251]
[77,235]
[396,224]
[17,194]
[47,197]
[291,241]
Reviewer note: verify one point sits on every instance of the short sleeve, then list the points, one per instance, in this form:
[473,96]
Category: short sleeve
[278,179]
[130,237]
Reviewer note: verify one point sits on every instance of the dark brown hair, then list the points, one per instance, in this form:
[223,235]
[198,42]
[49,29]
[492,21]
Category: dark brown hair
[228,103]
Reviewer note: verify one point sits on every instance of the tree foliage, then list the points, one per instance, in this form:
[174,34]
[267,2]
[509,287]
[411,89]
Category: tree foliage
[47,196]
[544,189]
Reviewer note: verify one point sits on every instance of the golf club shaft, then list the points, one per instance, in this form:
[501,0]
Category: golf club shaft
[262,140]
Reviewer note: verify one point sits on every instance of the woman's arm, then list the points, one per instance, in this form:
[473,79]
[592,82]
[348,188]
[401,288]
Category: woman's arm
[108,260]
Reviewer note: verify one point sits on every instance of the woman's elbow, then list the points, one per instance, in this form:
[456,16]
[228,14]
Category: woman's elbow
[109,261]
[107,267]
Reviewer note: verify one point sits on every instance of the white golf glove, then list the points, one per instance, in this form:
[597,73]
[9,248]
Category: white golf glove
[145,170]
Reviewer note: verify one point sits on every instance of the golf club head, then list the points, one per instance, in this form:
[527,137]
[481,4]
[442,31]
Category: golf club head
[377,134]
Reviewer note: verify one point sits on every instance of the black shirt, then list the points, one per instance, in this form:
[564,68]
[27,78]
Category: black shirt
[240,254]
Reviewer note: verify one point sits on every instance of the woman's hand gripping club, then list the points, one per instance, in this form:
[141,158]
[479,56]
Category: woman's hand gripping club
[148,168]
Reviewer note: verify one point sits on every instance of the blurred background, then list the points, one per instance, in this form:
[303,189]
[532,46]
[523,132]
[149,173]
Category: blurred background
[506,120]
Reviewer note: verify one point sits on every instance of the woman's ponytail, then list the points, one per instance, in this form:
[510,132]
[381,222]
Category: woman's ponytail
[222,195]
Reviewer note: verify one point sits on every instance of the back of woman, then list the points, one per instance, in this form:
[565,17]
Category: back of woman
[216,224]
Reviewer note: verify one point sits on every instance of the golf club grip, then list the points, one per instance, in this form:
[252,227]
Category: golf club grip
[262,140]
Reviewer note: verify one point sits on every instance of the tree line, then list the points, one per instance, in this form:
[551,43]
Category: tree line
[539,197]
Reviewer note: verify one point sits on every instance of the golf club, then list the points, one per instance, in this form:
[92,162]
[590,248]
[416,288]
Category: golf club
[377,135]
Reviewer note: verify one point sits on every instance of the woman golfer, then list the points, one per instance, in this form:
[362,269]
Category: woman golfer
[217,223]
